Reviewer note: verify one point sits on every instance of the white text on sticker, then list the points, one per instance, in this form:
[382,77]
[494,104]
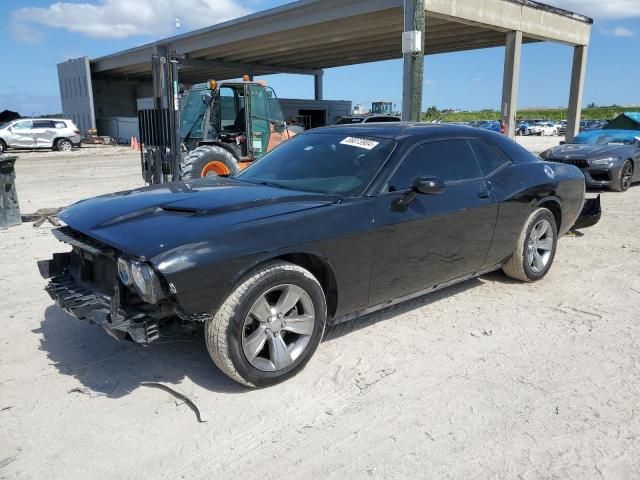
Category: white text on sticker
[360,142]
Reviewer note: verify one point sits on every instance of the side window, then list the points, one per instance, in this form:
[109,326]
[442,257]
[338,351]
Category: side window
[228,111]
[449,160]
[42,124]
[488,157]
[60,125]
[24,125]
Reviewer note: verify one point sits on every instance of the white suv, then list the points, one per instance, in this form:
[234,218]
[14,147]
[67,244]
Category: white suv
[57,133]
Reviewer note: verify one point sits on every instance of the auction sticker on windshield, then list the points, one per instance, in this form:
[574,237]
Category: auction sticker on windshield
[360,142]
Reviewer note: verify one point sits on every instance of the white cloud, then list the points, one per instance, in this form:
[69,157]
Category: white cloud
[620,32]
[123,18]
[600,9]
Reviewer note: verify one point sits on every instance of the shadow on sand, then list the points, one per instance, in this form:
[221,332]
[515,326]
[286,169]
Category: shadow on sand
[113,368]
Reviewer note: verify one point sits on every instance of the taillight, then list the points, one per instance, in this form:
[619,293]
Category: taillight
[77,132]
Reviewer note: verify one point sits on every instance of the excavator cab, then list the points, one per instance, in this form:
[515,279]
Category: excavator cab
[227,125]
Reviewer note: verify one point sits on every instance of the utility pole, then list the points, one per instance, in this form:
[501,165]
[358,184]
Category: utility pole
[413,54]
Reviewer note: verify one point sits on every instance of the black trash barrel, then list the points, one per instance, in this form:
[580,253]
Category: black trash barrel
[9,207]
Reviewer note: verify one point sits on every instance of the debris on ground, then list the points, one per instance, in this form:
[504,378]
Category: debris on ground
[43,215]
[182,396]
[87,391]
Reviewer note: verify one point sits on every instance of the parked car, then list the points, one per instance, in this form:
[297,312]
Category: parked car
[523,128]
[562,128]
[368,119]
[543,129]
[59,134]
[595,125]
[607,158]
[491,125]
[334,223]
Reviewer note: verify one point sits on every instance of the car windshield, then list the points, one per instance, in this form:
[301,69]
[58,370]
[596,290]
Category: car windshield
[607,137]
[325,163]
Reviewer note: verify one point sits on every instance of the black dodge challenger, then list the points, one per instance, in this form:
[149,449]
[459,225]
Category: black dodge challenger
[607,158]
[332,224]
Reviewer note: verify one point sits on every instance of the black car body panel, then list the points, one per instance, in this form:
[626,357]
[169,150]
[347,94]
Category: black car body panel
[202,236]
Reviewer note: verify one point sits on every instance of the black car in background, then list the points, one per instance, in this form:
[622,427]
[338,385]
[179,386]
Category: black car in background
[607,158]
[334,223]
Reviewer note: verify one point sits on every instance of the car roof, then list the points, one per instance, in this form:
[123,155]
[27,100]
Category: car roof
[398,130]
[47,119]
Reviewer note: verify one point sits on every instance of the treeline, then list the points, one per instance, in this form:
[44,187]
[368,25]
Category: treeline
[592,112]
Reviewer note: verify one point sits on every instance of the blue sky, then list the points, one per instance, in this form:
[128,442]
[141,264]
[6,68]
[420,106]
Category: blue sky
[40,33]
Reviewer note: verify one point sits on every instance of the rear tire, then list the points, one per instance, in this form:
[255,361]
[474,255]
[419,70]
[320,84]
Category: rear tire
[535,249]
[259,336]
[64,145]
[623,182]
[208,160]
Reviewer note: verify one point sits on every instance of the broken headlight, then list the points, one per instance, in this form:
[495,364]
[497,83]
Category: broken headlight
[142,278]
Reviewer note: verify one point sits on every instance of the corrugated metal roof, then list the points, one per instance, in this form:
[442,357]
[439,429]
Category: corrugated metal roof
[635,116]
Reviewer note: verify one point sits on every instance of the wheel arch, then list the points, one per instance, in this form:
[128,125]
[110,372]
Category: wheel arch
[221,145]
[318,266]
[554,205]
[57,139]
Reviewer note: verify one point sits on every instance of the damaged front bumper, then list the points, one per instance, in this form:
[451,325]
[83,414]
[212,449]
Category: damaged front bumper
[86,304]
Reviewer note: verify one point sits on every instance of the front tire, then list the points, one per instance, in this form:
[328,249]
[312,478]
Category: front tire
[535,249]
[269,326]
[3,146]
[624,181]
[208,160]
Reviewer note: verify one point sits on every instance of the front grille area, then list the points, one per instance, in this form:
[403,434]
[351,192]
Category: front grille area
[578,162]
[77,239]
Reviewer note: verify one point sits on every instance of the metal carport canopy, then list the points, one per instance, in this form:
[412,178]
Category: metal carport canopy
[310,35]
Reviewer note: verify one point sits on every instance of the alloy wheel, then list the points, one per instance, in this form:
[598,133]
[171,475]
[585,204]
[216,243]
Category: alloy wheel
[540,246]
[627,173]
[278,327]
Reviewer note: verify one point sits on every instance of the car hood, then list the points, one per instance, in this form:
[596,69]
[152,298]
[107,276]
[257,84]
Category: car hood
[572,151]
[149,221]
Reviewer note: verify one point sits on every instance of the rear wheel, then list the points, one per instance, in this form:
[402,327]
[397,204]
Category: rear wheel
[624,181]
[269,326]
[209,160]
[64,145]
[536,248]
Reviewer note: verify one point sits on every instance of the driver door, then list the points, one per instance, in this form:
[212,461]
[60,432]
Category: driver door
[436,238]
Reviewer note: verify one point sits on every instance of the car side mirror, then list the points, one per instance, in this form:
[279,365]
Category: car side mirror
[563,142]
[428,185]
[421,186]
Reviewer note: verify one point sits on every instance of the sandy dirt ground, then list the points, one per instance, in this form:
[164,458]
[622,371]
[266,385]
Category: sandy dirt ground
[488,379]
